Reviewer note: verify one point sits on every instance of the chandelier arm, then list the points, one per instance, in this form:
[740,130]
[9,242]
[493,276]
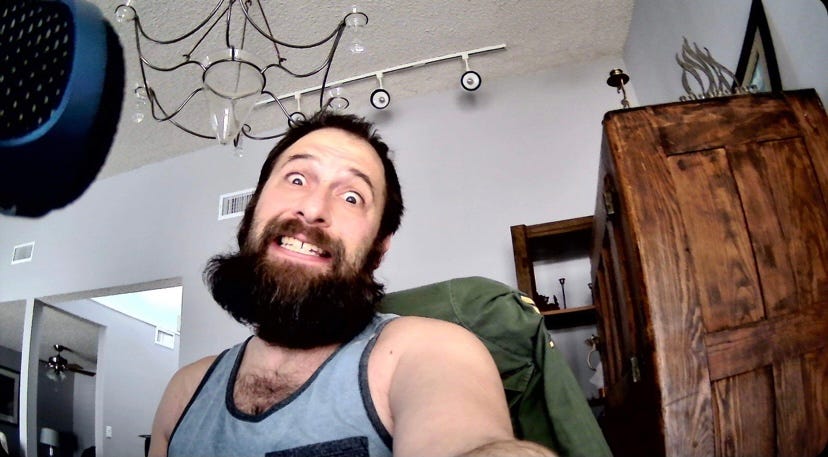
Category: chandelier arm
[279,102]
[325,63]
[168,117]
[245,131]
[191,132]
[297,75]
[340,29]
[144,61]
[176,67]
[207,32]
[270,37]
[269,31]
[182,37]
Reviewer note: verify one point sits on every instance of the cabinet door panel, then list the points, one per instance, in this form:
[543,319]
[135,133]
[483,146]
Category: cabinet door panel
[720,252]
[744,411]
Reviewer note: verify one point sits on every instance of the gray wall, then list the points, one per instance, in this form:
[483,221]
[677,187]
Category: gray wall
[799,29]
[55,409]
[132,372]
[83,417]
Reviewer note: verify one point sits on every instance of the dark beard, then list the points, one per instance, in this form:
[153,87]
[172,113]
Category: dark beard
[288,304]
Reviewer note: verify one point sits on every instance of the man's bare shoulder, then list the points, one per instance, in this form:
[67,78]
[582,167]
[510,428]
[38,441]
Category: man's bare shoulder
[176,396]
[183,385]
[403,327]
[424,335]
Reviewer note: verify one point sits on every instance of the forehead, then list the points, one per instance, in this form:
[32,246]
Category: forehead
[337,148]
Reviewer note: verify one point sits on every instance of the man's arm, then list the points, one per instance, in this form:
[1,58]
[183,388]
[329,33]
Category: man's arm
[445,394]
[179,390]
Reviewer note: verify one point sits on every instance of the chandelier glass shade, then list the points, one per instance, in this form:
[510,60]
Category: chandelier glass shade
[233,79]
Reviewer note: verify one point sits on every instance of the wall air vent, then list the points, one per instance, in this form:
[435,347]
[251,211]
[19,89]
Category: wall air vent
[22,253]
[234,203]
[164,338]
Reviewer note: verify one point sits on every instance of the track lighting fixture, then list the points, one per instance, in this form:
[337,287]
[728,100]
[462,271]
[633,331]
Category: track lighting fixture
[297,115]
[470,80]
[380,98]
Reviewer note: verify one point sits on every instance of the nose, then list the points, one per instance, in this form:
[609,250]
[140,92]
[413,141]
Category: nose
[313,208]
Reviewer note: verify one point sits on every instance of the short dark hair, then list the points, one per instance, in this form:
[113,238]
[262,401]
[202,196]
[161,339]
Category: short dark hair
[357,126]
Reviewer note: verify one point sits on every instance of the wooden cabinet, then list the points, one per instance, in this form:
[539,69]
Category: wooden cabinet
[710,277]
[559,240]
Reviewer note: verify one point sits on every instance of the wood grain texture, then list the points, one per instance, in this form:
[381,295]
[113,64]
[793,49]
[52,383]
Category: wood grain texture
[646,193]
[813,123]
[816,392]
[724,122]
[773,261]
[524,270]
[722,259]
[803,215]
[745,415]
[792,427]
[723,218]
[730,352]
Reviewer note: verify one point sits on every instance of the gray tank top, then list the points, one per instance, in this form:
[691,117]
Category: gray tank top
[332,414]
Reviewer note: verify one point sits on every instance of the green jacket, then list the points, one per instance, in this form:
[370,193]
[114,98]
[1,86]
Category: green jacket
[545,401]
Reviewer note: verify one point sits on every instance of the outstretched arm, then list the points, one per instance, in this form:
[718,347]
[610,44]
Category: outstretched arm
[445,394]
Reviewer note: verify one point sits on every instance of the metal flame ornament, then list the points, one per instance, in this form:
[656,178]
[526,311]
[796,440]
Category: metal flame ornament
[710,78]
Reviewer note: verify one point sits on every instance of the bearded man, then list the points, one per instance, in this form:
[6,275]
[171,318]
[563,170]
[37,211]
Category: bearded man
[324,374]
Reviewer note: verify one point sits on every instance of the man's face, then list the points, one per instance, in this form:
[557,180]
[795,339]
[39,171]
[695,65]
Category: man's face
[304,275]
[334,184]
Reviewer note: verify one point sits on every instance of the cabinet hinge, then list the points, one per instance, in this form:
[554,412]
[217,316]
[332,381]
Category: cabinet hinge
[636,372]
[609,202]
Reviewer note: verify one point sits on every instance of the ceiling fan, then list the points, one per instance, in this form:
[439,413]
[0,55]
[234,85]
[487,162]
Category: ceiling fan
[58,365]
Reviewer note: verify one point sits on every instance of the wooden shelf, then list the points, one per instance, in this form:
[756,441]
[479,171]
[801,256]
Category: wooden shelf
[558,241]
[570,317]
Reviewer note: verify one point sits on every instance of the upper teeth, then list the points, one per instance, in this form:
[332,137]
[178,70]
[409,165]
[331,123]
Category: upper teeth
[292,244]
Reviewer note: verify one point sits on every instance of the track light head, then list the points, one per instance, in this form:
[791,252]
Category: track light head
[296,116]
[380,99]
[470,80]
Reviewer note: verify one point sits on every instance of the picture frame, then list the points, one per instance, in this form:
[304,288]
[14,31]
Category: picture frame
[758,68]
[9,395]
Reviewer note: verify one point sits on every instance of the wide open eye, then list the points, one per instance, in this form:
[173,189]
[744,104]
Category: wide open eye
[352,197]
[296,179]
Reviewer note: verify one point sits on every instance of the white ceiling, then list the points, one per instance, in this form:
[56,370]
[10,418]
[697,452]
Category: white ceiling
[57,327]
[538,34]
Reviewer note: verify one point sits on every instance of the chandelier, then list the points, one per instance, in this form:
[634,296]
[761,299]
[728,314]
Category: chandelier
[233,79]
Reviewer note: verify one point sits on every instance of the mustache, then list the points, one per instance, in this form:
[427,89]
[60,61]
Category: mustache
[276,228]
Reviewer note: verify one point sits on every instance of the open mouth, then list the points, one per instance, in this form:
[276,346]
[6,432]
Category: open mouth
[295,245]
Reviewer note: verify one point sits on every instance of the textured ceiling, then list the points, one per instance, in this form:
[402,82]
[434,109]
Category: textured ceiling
[538,34]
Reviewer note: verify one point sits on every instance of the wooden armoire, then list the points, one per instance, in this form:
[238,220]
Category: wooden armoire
[710,277]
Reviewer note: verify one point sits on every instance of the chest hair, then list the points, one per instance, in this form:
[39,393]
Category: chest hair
[254,394]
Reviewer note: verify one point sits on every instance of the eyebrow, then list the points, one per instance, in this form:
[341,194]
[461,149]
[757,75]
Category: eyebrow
[355,172]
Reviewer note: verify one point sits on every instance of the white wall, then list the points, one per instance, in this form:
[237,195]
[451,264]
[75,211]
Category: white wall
[520,151]
[799,30]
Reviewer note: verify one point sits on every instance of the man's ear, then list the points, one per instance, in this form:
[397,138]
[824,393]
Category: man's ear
[381,250]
